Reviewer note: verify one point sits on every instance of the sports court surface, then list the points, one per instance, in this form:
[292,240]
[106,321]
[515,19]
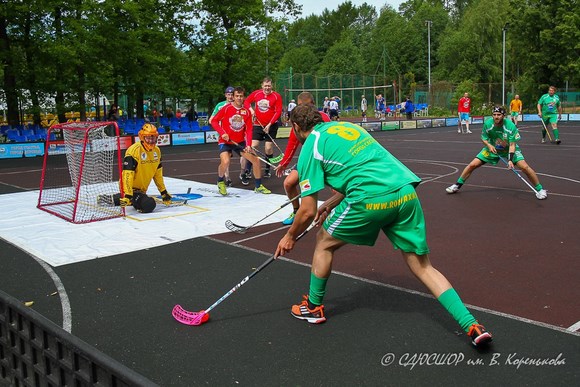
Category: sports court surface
[512,258]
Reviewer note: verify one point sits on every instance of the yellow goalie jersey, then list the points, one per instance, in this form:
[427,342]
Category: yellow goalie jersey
[140,167]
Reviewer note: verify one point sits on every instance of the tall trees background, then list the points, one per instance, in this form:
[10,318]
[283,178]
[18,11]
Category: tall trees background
[64,53]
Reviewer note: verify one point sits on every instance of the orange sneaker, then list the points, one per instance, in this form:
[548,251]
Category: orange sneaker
[302,312]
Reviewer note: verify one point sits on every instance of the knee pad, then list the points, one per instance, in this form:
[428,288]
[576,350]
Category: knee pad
[144,203]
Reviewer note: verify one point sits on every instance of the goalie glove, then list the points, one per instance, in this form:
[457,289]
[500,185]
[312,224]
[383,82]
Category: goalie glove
[166,198]
[126,201]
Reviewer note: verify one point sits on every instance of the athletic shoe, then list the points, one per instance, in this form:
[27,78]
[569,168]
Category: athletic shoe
[452,189]
[313,316]
[222,188]
[245,178]
[229,183]
[542,194]
[543,140]
[263,190]
[479,336]
[267,173]
[558,141]
[458,130]
[289,220]
[468,131]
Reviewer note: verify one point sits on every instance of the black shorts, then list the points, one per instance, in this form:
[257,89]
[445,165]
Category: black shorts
[259,134]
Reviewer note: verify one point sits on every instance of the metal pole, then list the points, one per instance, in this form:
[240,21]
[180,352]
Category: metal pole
[503,65]
[429,49]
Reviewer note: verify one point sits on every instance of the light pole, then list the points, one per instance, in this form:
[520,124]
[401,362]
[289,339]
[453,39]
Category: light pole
[504,30]
[429,55]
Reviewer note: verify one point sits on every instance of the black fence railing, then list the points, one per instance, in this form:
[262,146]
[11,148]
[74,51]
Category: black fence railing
[36,352]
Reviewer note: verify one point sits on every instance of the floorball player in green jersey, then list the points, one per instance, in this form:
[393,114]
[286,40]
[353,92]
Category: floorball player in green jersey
[550,111]
[374,192]
[500,137]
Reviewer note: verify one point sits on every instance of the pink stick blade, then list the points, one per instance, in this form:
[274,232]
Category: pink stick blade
[189,318]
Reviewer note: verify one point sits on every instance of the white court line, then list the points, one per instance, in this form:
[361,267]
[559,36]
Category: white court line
[574,327]
[64,300]
[414,292]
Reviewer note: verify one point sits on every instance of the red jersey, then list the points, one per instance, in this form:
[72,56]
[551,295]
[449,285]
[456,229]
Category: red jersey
[268,108]
[293,144]
[464,105]
[236,122]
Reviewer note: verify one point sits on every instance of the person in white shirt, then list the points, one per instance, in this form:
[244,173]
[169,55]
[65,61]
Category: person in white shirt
[363,108]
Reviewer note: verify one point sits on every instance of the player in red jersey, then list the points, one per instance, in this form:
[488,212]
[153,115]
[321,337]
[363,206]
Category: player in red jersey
[233,123]
[266,112]
[463,109]
[291,181]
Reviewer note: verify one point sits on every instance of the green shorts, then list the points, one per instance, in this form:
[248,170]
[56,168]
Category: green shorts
[515,114]
[550,118]
[487,157]
[398,214]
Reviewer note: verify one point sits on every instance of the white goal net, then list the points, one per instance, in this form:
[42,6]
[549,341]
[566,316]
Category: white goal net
[81,171]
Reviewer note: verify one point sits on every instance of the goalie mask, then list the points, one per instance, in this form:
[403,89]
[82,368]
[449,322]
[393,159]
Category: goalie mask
[148,136]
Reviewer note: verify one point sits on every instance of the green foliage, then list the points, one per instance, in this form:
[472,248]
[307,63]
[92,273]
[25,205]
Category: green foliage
[171,49]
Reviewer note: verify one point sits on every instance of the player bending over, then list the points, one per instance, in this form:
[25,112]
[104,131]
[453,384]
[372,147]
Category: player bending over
[500,137]
[348,159]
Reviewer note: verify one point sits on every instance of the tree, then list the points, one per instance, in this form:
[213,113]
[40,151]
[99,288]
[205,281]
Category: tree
[546,42]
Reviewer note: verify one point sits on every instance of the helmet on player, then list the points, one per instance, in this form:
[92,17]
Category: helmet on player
[148,136]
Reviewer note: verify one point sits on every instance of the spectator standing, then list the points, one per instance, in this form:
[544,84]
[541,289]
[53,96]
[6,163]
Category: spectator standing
[291,106]
[333,109]
[409,108]
[464,110]
[515,109]
[363,108]
[325,105]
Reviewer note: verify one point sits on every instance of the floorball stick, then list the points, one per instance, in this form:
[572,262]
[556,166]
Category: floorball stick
[546,129]
[242,230]
[197,318]
[518,175]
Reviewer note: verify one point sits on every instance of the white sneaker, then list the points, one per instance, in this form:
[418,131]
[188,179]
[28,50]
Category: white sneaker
[542,194]
[468,131]
[543,140]
[452,189]
[458,130]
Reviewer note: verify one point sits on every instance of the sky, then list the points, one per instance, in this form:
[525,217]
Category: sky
[310,7]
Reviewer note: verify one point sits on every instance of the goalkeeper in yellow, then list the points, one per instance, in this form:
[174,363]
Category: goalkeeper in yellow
[142,163]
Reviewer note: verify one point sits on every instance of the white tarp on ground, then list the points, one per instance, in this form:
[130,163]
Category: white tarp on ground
[59,242]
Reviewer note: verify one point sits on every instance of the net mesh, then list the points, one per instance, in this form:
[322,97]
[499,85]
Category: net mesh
[81,173]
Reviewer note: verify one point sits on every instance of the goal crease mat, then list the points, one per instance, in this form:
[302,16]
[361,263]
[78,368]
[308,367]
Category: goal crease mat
[58,242]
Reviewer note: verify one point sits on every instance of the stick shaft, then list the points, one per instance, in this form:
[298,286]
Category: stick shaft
[244,229]
[247,278]
[518,174]
[546,128]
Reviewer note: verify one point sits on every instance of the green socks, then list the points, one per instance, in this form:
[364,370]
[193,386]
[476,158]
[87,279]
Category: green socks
[317,290]
[556,134]
[451,301]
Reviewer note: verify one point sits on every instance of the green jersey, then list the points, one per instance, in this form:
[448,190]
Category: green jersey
[500,136]
[218,107]
[347,158]
[549,104]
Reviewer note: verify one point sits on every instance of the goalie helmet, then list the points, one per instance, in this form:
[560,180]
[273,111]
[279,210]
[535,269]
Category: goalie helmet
[148,136]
